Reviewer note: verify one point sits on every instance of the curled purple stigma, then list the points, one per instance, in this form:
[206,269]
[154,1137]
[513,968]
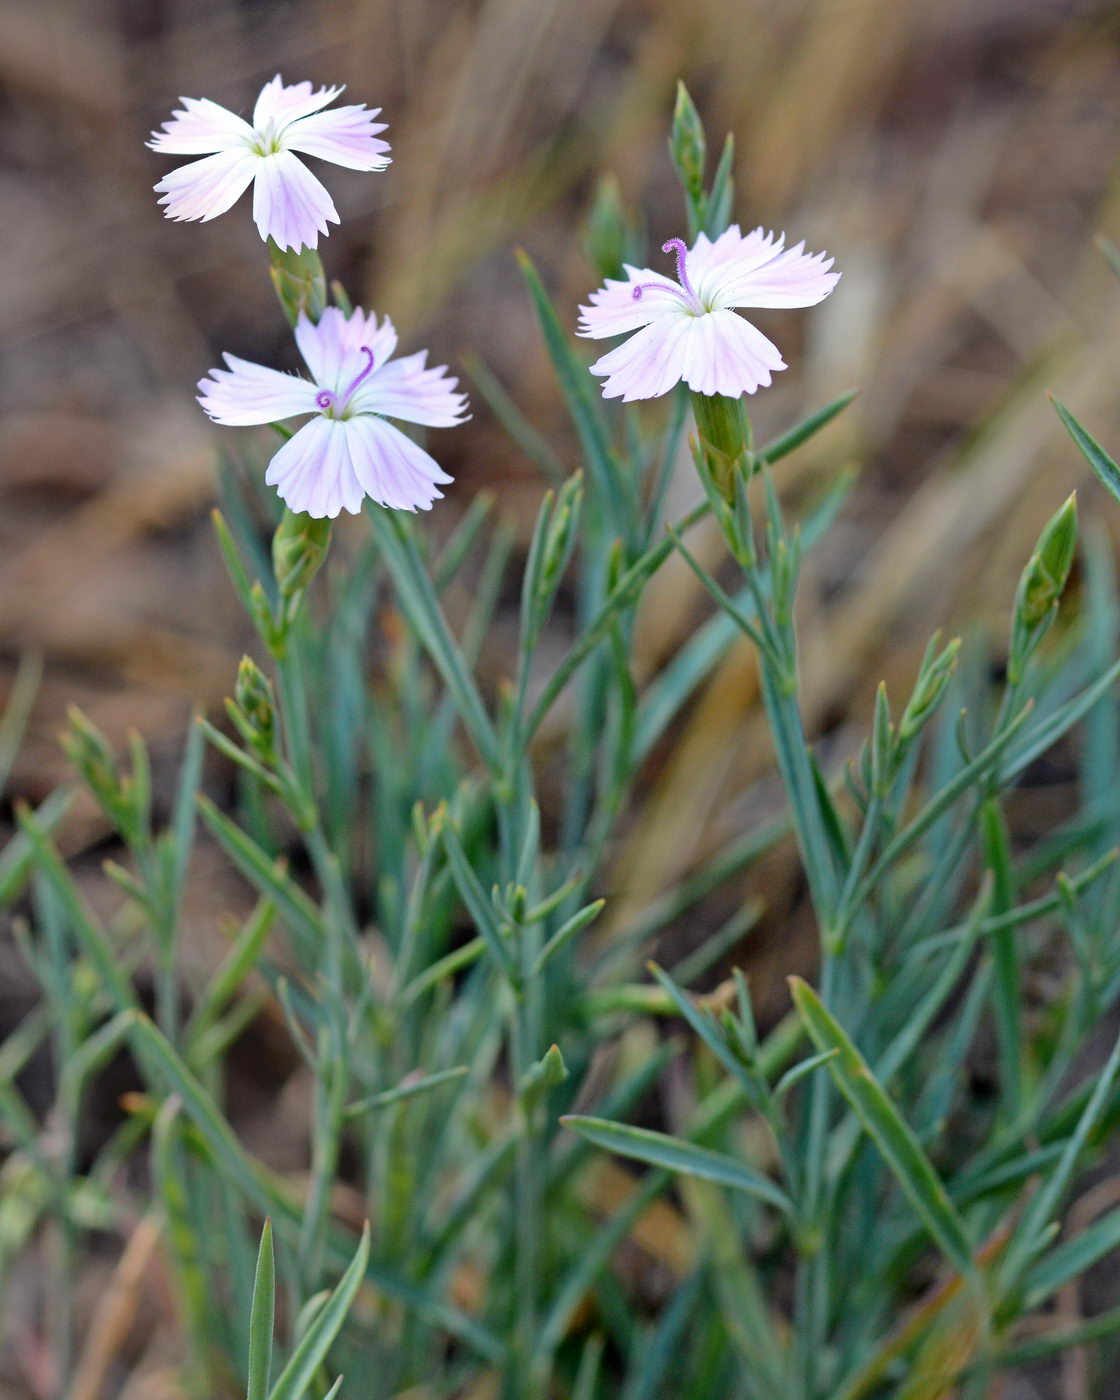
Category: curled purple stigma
[326,400]
[686,293]
[368,353]
[678,246]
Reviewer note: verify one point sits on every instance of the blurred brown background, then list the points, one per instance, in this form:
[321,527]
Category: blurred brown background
[956,158]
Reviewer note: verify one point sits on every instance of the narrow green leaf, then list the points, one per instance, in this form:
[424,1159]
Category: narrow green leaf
[262,1318]
[1070,1259]
[478,906]
[581,398]
[91,935]
[565,933]
[1046,733]
[887,1129]
[21,698]
[419,600]
[1035,1225]
[203,1112]
[232,971]
[408,1089]
[1108,473]
[304,920]
[297,1376]
[799,1071]
[17,857]
[808,427]
[677,1155]
[534,445]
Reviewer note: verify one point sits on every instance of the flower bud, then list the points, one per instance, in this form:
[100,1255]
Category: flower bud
[930,687]
[255,701]
[882,744]
[298,550]
[553,541]
[724,435]
[125,798]
[609,237]
[687,146]
[1045,576]
[548,1072]
[299,281]
[1041,586]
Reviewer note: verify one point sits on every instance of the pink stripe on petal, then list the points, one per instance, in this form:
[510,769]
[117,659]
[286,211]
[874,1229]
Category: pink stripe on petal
[344,135]
[405,389]
[206,188]
[200,128]
[289,203]
[246,394]
[394,471]
[280,104]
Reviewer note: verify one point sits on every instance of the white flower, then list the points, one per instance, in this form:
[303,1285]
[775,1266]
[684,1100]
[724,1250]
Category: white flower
[688,329]
[290,205]
[347,451]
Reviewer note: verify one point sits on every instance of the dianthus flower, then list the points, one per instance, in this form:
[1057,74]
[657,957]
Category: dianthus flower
[347,451]
[290,205]
[688,329]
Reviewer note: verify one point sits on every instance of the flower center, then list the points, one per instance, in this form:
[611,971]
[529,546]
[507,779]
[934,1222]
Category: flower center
[685,293]
[334,405]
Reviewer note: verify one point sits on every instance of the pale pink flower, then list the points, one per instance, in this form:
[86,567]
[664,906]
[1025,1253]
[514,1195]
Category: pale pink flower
[688,329]
[289,203]
[347,451]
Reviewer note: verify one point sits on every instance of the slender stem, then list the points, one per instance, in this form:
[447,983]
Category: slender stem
[812,1288]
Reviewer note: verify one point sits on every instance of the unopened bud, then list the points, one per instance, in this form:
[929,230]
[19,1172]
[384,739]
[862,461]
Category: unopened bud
[687,145]
[609,237]
[299,281]
[254,698]
[1041,586]
[929,689]
[298,550]
[541,1078]
[882,744]
[1045,576]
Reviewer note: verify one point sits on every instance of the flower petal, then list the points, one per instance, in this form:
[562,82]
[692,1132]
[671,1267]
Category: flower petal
[280,105]
[289,204]
[201,126]
[649,363]
[206,188]
[314,473]
[759,271]
[614,310]
[717,353]
[710,262]
[246,394]
[724,354]
[393,470]
[406,389]
[345,135]
[332,348]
